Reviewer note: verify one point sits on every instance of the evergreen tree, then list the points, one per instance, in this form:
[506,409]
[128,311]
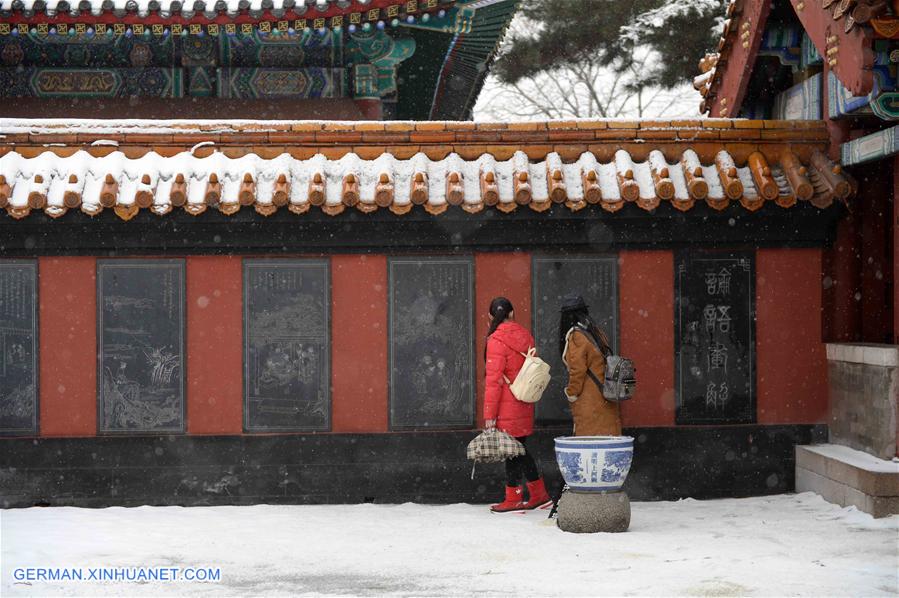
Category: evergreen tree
[607,32]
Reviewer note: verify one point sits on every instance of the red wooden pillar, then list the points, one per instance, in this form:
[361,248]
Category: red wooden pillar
[876,211]
[895,223]
[842,283]
[841,268]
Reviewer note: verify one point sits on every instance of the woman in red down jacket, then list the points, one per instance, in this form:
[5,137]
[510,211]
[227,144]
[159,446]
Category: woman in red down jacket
[506,341]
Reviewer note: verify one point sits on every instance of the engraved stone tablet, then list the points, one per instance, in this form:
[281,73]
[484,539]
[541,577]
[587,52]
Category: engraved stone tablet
[715,338]
[18,348]
[140,345]
[431,343]
[286,348]
[593,278]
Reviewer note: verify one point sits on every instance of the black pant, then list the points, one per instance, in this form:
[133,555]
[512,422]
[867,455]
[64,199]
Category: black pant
[522,464]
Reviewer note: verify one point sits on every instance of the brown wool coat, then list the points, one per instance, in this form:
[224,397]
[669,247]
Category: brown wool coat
[593,415]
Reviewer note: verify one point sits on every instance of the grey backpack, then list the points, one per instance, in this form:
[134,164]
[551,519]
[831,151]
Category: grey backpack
[621,375]
[621,378]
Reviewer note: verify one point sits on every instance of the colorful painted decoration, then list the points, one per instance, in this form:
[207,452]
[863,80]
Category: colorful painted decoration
[377,77]
[61,24]
[875,146]
[92,82]
[880,102]
[800,102]
[784,42]
[297,83]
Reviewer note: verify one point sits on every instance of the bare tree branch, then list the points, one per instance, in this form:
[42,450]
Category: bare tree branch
[585,89]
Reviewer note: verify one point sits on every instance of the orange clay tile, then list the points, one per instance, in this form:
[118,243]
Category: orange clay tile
[795,147]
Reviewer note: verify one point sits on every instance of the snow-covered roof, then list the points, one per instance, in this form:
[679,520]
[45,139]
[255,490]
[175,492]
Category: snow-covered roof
[55,183]
[168,7]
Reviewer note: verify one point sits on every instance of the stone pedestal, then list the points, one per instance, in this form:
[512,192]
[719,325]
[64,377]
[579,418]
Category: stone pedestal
[857,467]
[864,392]
[586,513]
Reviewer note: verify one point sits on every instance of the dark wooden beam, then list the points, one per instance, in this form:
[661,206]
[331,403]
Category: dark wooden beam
[737,57]
[851,55]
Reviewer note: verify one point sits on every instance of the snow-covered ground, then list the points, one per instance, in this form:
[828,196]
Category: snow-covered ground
[780,545]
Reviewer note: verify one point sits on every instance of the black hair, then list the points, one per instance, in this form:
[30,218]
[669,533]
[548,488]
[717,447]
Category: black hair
[581,318]
[500,308]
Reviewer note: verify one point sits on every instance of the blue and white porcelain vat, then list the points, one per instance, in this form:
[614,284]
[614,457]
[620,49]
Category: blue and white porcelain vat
[595,463]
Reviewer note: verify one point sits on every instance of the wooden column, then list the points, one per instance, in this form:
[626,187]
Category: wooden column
[895,224]
[842,280]
[876,212]
[841,263]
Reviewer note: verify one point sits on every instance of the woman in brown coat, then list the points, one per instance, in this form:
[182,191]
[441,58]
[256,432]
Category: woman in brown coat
[580,342]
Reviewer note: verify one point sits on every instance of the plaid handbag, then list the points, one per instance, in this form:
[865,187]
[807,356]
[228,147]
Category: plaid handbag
[493,445]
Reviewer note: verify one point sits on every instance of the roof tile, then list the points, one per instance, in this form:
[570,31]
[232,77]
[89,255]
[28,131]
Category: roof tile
[431,137]
[717,123]
[430,126]
[527,126]
[624,124]
[115,180]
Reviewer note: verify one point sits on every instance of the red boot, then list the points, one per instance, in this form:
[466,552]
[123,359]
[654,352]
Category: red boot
[537,495]
[512,502]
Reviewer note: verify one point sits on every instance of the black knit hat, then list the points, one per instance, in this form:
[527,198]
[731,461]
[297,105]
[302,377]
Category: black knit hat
[572,302]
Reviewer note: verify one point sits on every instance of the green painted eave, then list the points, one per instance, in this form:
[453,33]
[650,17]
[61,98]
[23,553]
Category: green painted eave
[443,80]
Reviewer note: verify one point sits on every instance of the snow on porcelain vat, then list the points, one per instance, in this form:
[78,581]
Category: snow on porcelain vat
[594,463]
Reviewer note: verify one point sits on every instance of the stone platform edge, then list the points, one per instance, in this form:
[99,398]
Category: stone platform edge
[848,477]
[866,353]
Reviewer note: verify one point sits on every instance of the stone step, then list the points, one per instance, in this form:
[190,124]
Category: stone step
[845,476]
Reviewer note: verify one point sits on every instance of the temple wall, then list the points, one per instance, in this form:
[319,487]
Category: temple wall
[362,457]
[791,373]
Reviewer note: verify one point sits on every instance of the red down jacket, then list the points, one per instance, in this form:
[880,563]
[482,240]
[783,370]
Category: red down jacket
[504,348]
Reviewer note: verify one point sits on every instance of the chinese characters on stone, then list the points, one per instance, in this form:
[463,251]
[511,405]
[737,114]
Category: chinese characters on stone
[717,321]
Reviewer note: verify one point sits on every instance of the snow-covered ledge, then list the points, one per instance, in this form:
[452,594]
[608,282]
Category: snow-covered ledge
[863,382]
[867,353]
[848,477]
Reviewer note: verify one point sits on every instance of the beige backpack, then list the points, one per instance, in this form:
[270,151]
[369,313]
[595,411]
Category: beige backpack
[532,379]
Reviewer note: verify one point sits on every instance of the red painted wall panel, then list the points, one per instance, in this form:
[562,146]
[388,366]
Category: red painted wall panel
[68,346]
[791,360]
[646,312]
[214,345]
[359,375]
[498,274]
